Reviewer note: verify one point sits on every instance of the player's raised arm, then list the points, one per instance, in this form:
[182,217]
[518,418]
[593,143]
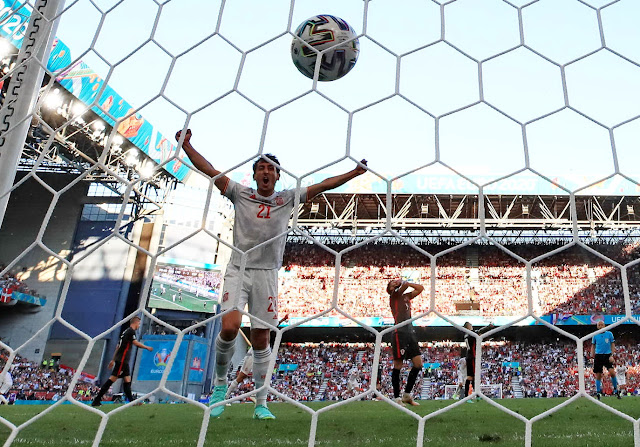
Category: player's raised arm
[487,328]
[334,182]
[200,162]
[417,290]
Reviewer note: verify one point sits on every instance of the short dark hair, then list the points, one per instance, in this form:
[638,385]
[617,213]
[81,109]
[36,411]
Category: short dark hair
[133,319]
[271,157]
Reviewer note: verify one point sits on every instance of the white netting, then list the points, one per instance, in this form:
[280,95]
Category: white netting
[455,76]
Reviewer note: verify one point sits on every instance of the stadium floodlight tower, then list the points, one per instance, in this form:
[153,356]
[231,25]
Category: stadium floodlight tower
[24,87]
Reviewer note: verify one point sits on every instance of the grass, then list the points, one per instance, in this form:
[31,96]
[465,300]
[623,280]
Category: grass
[581,423]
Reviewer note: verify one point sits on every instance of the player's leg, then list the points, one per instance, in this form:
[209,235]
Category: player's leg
[126,386]
[235,383]
[598,385]
[106,385]
[398,357]
[471,371]
[416,367]
[263,304]
[614,381]
[226,340]
[597,370]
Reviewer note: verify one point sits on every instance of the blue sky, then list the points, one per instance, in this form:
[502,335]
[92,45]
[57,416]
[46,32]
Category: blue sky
[396,135]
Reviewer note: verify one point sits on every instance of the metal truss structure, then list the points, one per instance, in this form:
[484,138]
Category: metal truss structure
[457,216]
[59,142]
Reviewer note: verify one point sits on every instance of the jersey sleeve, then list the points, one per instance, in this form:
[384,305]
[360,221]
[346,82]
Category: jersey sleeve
[231,190]
[128,336]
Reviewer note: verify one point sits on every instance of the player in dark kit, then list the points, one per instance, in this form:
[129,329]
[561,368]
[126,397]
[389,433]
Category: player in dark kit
[403,341]
[470,342]
[120,362]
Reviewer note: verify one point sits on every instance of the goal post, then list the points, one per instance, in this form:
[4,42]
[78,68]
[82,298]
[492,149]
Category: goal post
[492,390]
[24,87]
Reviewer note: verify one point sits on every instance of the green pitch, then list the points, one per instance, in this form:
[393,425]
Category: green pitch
[189,302]
[356,424]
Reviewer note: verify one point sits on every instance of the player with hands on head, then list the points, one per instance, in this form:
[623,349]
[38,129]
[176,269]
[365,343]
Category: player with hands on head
[261,218]
[404,343]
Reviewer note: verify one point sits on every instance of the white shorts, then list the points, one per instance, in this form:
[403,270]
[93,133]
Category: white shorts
[247,365]
[462,371]
[622,380]
[258,291]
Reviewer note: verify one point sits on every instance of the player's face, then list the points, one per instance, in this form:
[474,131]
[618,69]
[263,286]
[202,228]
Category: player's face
[600,324]
[135,324]
[266,176]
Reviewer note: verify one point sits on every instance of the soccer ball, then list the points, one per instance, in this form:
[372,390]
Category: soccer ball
[322,32]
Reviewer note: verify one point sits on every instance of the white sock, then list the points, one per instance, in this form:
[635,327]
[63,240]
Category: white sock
[224,354]
[232,387]
[260,367]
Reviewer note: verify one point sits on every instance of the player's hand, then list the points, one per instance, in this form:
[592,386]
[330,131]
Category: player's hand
[149,348]
[111,364]
[360,169]
[611,358]
[187,136]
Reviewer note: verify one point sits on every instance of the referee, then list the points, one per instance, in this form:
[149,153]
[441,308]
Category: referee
[602,349]
[120,362]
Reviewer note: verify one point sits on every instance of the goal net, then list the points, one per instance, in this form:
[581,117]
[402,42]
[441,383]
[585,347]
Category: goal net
[485,150]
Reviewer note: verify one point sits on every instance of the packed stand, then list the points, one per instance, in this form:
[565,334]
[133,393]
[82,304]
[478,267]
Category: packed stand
[46,381]
[573,281]
[11,282]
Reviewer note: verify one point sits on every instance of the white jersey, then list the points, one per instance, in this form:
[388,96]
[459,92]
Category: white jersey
[259,219]
[6,382]
[462,370]
[621,374]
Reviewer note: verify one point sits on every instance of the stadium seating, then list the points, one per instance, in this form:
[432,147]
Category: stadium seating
[573,281]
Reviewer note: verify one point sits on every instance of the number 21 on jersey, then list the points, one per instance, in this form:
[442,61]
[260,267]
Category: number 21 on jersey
[264,212]
[273,305]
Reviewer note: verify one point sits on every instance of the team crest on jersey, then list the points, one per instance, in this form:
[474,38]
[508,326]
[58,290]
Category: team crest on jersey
[279,201]
[225,297]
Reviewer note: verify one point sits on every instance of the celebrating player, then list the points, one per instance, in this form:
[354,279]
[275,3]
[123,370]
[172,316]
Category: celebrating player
[403,342]
[470,360]
[602,349]
[261,215]
[120,362]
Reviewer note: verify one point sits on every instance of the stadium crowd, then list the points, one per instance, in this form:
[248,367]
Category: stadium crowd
[32,381]
[10,282]
[338,371]
[573,281]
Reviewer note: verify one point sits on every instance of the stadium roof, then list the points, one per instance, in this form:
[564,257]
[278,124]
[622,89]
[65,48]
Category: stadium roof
[439,211]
